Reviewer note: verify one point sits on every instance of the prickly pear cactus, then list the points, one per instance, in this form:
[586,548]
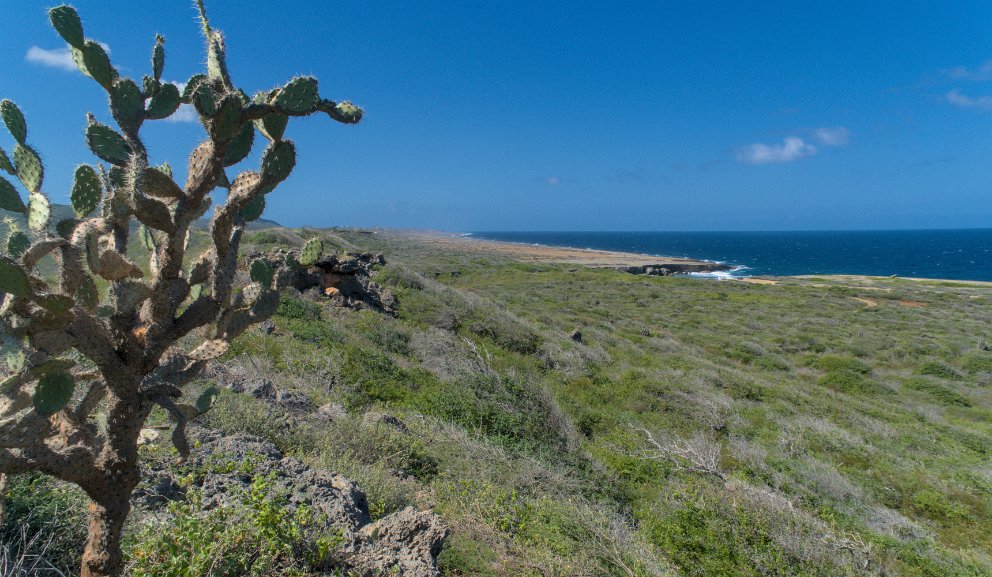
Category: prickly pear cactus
[313,249]
[126,319]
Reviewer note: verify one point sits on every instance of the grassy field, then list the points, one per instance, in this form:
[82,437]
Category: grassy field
[816,426]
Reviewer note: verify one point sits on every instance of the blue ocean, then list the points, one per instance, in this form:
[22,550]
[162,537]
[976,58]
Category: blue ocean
[945,254]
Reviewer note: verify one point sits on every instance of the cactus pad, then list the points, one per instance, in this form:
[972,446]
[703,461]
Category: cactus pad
[39,212]
[312,251]
[14,120]
[13,279]
[54,303]
[113,266]
[278,161]
[5,164]
[66,227]
[92,61]
[53,393]
[190,88]
[127,105]
[209,350]
[345,112]
[206,400]
[225,123]
[87,295]
[253,210]
[262,272]
[66,22]
[107,144]
[17,243]
[155,182]
[86,191]
[299,96]
[9,199]
[203,100]
[164,103]
[158,57]
[27,165]
[153,213]
[240,145]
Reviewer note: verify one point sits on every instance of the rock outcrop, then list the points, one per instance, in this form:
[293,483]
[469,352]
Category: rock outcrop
[405,543]
[343,279]
[667,269]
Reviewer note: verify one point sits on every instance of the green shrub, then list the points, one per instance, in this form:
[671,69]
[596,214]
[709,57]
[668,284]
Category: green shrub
[939,370]
[372,377]
[259,537]
[837,363]
[297,308]
[978,363]
[941,393]
[936,506]
[852,383]
[40,504]
[463,555]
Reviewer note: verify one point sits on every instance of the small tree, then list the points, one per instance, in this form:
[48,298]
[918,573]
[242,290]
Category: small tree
[72,354]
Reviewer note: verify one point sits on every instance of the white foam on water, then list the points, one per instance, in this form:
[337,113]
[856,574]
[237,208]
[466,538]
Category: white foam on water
[721,274]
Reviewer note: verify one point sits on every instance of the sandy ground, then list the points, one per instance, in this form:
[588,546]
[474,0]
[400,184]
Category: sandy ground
[534,253]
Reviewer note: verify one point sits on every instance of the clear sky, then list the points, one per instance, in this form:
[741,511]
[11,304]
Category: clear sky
[571,115]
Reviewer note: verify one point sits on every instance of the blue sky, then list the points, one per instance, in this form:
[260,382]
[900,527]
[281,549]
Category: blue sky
[571,115]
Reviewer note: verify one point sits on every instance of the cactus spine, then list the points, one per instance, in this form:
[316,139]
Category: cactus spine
[131,334]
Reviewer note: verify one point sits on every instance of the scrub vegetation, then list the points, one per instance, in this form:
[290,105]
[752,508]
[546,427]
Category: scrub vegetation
[817,426]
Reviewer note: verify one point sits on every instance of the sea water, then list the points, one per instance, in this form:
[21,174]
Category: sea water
[964,254]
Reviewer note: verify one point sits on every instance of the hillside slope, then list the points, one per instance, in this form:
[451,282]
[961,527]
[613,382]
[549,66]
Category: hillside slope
[571,421]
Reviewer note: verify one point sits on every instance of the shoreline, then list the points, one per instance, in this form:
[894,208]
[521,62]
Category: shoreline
[631,262]
[634,263]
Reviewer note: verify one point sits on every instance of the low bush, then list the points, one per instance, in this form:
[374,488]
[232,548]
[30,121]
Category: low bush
[939,370]
[942,394]
[259,537]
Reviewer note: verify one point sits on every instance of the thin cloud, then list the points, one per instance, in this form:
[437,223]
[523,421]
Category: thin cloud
[981,74]
[832,136]
[552,180]
[955,98]
[792,148]
[55,58]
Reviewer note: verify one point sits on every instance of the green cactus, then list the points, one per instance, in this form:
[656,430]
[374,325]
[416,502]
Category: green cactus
[65,227]
[272,126]
[5,164]
[131,338]
[127,105]
[66,22]
[261,272]
[313,249]
[92,60]
[27,165]
[39,212]
[240,146]
[13,280]
[86,191]
[17,243]
[158,57]
[54,391]
[164,103]
[9,199]
[14,120]
[206,400]
[298,96]
[278,161]
[253,210]
[106,143]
